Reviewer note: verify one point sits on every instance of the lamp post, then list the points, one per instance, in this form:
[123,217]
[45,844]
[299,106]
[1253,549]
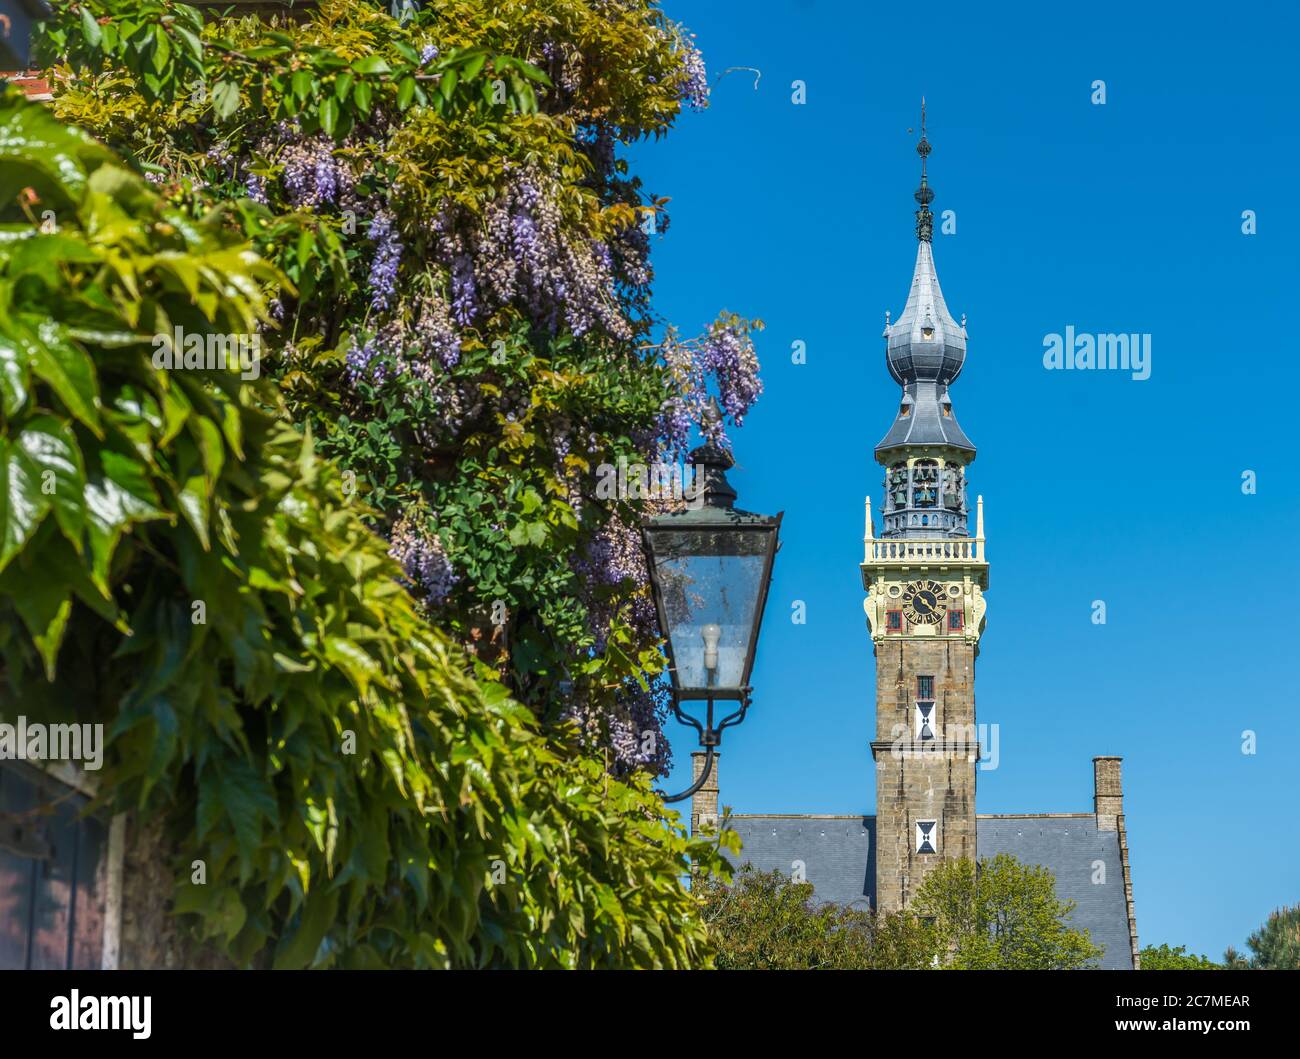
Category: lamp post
[710,569]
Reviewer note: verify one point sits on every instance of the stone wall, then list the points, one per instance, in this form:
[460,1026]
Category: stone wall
[922,781]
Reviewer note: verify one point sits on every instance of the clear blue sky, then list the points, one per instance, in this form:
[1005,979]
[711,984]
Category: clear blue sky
[1124,217]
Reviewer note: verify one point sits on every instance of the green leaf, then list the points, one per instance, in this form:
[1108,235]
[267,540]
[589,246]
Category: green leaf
[191,42]
[329,115]
[68,370]
[22,503]
[405,93]
[447,85]
[54,458]
[299,949]
[247,800]
[361,96]
[13,376]
[301,84]
[115,498]
[90,28]
[225,99]
[371,64]
[44,602]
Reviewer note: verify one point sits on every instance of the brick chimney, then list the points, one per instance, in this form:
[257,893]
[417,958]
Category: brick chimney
[704,802]
[1108,792]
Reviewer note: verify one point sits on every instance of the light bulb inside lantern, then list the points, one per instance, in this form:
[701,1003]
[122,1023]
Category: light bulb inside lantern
[712,634]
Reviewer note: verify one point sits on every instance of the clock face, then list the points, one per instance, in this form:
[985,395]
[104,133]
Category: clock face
[925,602]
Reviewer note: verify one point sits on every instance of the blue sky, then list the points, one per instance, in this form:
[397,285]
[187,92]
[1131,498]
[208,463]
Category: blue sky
[1125,217]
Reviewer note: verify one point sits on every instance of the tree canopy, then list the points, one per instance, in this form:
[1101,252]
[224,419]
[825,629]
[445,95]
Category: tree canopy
[1165,958]
[767,921]
[465,321]
[1275,946]
[178,563]
[1001,914]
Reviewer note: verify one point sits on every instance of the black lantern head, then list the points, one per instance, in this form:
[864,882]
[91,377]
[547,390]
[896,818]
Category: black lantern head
[710,569]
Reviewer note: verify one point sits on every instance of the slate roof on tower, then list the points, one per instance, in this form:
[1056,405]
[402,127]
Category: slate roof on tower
[925,347]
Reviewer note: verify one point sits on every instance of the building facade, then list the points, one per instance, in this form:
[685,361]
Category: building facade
[925,575]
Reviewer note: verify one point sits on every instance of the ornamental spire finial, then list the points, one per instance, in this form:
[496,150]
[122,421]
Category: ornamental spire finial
[924,195]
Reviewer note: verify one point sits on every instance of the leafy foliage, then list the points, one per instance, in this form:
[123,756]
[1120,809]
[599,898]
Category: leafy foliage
[1001,914]
[765,921]
[177,563]
[324,90]
[1164,958]
[466,322]
[1273,947]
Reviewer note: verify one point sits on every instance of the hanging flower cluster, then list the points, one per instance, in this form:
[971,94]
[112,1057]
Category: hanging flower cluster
[384,265]
[520,252]
[695,91]
[312,175]
[418,357]
[614,560]
[633,731]
[725,354]
[422,557]
[434,331]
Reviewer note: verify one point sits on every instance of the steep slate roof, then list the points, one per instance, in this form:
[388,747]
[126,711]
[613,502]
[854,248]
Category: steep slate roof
[838,854]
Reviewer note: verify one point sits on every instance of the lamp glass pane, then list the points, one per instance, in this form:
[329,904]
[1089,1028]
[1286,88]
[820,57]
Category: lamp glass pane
[710,577]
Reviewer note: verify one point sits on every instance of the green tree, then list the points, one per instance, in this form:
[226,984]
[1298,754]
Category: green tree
[1273,947]
[1002,914]
[177,563]
[467,323]
[765,921]
[1164,958]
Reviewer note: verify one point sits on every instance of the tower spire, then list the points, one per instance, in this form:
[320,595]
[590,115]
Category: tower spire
[925,451]
[924,195]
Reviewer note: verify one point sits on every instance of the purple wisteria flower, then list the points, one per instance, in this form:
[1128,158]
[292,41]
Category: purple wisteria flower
[695,90]
[388,255]
[255,187]
[724,354]
[313,176]
[464,291]
[423,558]
[362,361]
[435,333]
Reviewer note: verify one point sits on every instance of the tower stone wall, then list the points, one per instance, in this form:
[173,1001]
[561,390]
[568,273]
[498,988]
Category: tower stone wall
[925,578]
[922,780]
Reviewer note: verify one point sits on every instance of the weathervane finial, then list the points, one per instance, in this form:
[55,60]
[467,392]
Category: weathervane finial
[924,195]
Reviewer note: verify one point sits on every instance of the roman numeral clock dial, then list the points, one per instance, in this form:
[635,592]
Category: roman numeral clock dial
[924,602]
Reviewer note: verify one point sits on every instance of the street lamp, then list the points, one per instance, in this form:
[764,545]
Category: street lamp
[710,569]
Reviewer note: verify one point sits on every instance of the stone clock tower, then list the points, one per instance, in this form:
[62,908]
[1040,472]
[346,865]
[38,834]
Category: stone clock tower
[925,577]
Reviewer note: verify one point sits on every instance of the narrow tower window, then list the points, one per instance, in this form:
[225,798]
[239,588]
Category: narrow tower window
[925,689]
[925,721]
